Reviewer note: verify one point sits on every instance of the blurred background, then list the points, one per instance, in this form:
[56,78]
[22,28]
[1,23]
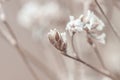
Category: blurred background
[31,20]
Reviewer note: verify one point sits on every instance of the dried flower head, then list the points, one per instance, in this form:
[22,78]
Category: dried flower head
[58,40]
[89,23]
[93,22]
[93,26]
[74,26]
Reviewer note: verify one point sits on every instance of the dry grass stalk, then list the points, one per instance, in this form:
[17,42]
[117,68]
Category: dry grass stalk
[111,26]
[14,42]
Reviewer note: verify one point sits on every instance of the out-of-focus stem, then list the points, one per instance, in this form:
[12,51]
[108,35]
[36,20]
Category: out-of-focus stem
[26,61]
[93,45]
[73,46]
[27,55]
[113,29]
[99,56]
[91,42]
[39,65]
[88,65]
[76,55]
[21,52]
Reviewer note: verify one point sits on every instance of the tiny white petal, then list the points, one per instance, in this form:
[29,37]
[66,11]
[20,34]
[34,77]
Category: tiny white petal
[63,34]
[81,16]
[101,38]
[71,18]
[100,26]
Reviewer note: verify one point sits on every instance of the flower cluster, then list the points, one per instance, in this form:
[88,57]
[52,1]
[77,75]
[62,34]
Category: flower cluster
[89,23]
[58,40]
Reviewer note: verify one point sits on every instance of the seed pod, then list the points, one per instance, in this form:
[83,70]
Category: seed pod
[58,40]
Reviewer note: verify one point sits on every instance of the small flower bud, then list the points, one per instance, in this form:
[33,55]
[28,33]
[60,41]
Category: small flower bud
[74,25]
[58,40]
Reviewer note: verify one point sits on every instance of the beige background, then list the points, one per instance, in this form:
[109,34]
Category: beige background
[52,65]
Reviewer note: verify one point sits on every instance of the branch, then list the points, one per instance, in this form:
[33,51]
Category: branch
[91,67]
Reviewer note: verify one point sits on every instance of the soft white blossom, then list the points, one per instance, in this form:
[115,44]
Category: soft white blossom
[89,23]
[94,22]
[101,38]
[28,13]
[74,25]
[33,13]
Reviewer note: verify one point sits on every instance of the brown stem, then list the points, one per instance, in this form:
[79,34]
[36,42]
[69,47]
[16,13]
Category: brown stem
[90,66]
[113,28]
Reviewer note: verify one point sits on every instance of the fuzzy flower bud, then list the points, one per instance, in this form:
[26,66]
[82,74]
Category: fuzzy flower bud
[89,23]
[74,26]
[58,40]
[93,22]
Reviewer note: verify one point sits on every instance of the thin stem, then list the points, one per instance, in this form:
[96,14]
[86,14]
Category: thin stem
[21,52]
[91,42]
[40,65]
[25,54]
[99,56]
[26,61]
[73,46]
[90,66]
[113,28]
[93,45]
[101,61]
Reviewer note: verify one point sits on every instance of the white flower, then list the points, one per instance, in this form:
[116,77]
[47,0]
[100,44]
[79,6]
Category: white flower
[74,25]
[101,38]
[71,18]
[70,26]
[89,23]
[93,22]
[100,26]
